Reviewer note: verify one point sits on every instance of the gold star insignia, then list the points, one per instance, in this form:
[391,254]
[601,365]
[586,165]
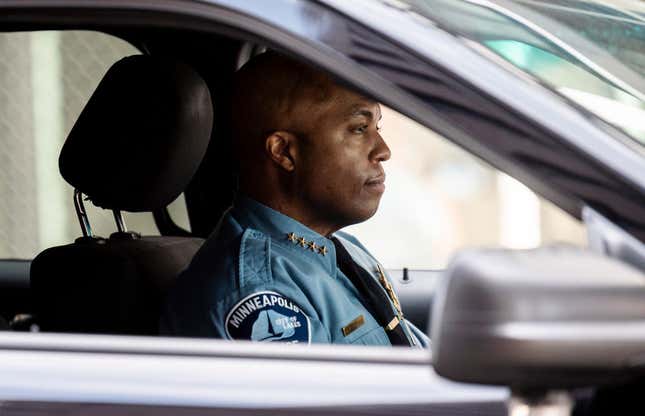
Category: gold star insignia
[322,250]
[292,237]
[302,241]
[313,246]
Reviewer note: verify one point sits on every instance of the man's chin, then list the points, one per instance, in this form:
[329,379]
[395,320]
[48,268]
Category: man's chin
[360,209]
[365,211]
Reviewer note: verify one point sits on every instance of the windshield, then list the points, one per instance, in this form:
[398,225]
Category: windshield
[590,51]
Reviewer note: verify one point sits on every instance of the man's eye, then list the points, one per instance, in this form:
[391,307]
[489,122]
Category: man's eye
[360,129]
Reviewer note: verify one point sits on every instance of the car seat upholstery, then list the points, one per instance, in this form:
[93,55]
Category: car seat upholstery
[135,147]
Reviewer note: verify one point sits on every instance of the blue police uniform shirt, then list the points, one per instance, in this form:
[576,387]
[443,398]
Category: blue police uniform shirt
[263,276]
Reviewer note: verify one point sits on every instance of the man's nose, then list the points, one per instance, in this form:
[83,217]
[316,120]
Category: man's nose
[381,151]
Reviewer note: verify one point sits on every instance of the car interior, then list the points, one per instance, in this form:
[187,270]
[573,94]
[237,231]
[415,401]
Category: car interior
[115,284]
[165,108]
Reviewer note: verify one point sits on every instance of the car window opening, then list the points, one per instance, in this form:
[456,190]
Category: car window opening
[411,239]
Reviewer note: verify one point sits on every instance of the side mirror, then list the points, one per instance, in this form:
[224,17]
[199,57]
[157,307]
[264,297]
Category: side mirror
[539,320]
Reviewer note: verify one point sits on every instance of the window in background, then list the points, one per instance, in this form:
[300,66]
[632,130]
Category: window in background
[179,213]
[440,199]
[45,80]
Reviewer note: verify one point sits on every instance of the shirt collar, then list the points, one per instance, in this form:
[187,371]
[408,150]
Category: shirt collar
[280,227]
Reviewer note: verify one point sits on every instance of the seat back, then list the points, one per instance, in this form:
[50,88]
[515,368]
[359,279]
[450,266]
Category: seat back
[135,147]
[111,287]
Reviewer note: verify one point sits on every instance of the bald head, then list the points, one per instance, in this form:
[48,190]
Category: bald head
[307,147]
[273,92]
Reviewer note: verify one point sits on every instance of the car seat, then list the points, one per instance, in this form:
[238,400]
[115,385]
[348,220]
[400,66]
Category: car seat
[135,147]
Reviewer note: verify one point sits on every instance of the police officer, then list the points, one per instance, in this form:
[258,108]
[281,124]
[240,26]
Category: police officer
[277,268]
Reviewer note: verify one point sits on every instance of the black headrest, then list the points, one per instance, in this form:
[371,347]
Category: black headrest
[141,136]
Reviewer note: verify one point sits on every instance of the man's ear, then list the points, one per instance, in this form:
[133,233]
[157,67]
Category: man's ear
[280,146]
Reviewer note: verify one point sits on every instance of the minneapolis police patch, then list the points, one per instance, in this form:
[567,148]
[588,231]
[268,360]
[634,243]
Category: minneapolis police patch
[268,316]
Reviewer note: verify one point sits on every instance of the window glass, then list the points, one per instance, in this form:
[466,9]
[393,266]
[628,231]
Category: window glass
[611,103]
[590,53]
[615,26]
[440,199]
[45,80]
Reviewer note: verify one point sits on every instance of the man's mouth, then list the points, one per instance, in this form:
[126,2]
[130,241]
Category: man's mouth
[376,183]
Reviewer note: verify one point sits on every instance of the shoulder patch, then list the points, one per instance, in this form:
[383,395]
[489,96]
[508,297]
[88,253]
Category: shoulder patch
[268,316]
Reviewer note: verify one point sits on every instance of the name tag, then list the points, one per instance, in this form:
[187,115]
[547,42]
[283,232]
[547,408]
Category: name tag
[354,325]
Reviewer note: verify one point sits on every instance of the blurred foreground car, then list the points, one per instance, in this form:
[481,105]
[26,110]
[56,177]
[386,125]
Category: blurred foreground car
[552,93]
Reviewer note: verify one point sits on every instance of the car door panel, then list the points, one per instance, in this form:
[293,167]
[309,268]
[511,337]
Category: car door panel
[216,374]
[103,409]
